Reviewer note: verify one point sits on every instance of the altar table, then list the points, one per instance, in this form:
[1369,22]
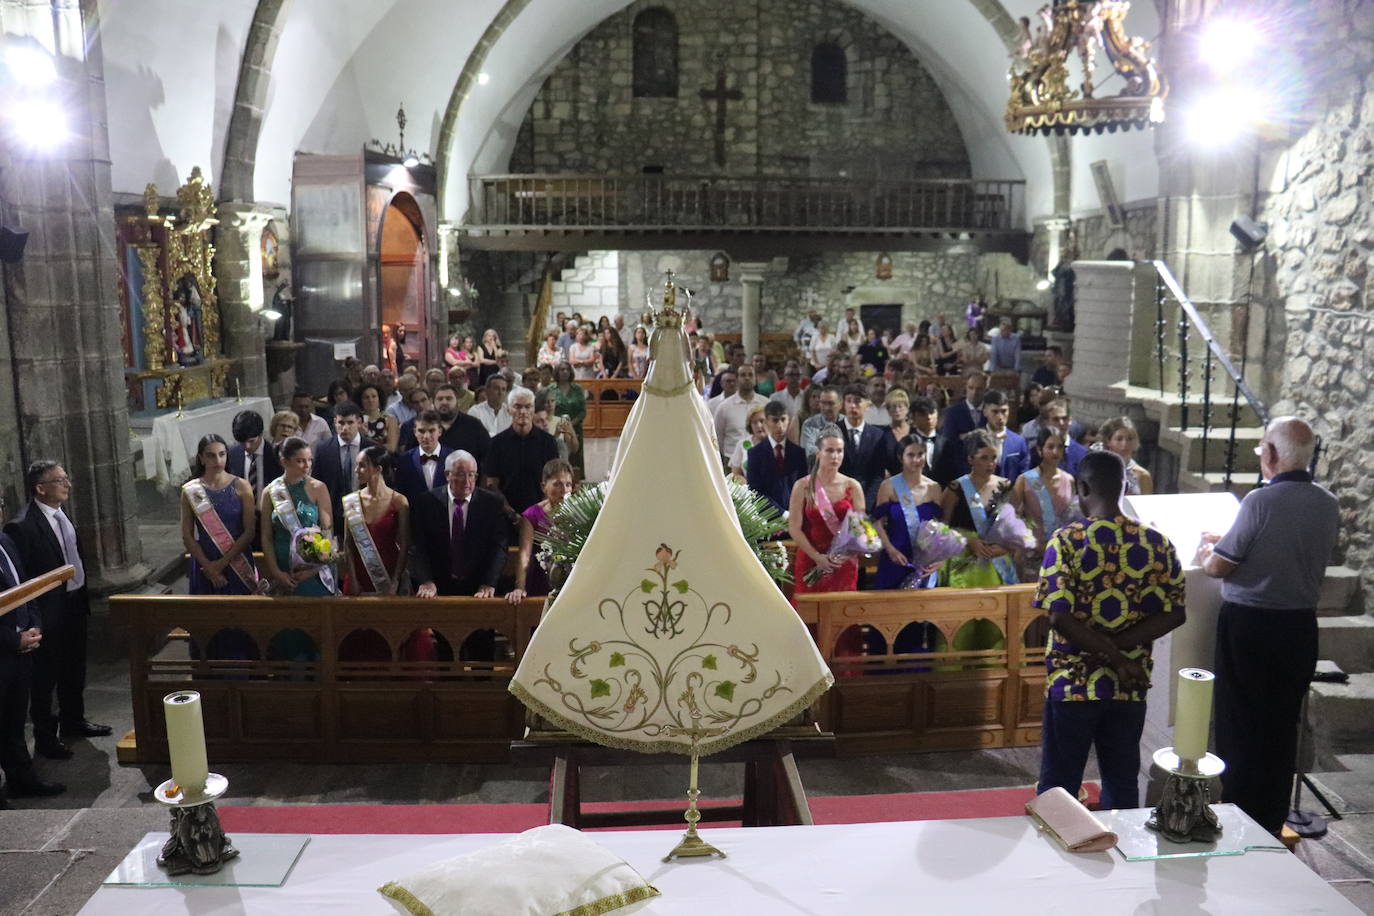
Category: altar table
[172,443]
[989,865]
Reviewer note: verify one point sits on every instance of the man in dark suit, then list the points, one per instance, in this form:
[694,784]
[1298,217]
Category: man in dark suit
[20,635]
[1056,414]
[461,534]
[421,469]
[867,448]
[924,417]
[777,463]
[962,417]
[1013,457]
[47,539]
[252,458]
[419,401]
[335,457]
[460,432]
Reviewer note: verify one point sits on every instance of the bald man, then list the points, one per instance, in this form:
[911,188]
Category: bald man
[1271,564]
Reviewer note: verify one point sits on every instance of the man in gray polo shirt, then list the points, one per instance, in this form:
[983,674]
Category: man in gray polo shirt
[1271,564]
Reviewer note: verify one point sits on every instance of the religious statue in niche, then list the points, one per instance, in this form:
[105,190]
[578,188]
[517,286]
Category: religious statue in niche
[883,268]
[271,266]
[184,323]
[720,268]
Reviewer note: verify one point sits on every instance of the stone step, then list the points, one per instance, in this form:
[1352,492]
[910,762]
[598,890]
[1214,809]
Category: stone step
[1215,482]
[1188,445]
[1340,715]
[1347,782]
[1167,409]
[1339,589]
[1349,642]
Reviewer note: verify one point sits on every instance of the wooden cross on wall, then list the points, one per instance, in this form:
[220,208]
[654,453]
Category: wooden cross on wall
[721,96]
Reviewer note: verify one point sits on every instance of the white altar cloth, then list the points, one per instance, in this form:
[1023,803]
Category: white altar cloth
[173,440]
[987,865]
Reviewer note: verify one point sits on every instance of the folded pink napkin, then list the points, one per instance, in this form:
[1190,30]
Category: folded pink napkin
[1069,822]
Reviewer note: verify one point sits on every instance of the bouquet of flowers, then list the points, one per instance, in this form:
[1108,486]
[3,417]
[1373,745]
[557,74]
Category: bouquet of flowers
[1008,530]
[936,542]
[856,537]
[310,549]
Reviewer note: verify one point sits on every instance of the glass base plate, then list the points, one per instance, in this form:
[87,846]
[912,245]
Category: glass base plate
[1136,842]
[264,860]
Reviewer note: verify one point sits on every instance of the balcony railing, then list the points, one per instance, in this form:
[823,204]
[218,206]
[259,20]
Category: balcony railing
[679,203]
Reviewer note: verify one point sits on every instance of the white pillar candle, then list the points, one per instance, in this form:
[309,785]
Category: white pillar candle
[1194,713]
[186,741]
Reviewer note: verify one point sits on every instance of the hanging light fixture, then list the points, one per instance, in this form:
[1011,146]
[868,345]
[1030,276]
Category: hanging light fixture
[1043,100]
[408,157]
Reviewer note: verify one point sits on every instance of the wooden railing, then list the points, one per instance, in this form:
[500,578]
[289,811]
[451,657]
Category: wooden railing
[700,202]
[606,415]
[338,679]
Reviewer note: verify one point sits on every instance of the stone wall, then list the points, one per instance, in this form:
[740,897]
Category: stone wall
[925,283]
[895,122]
[591,287]
[1096,238]
[1320,247]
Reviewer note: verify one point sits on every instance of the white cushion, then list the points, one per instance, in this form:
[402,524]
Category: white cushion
[548,871]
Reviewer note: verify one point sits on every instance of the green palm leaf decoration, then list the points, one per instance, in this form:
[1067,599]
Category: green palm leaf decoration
[572,522]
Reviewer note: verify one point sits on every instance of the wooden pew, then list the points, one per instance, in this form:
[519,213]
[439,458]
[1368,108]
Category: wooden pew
[606,418]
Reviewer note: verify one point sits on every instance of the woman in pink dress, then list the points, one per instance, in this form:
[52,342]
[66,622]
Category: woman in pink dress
[815,512]
[556,480]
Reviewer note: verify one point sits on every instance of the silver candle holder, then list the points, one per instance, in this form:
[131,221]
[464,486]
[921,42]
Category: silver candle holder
[197,844]
[1184,813]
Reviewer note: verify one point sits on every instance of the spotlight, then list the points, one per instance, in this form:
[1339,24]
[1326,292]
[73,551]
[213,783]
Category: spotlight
[271,314]
[1217,118]
[30,66]
[1227,43]
[410,161]
[38,123]
[483,79]
[1042,285]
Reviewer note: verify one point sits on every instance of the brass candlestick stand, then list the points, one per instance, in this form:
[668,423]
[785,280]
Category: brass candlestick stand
[197,843]
[1184,814]
[691,845]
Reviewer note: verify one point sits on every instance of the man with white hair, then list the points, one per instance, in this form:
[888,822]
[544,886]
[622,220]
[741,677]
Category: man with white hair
[460,534]
[516,457]
[1271,564]
[492,411]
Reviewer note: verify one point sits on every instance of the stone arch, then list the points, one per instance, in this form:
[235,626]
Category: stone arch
[250,100]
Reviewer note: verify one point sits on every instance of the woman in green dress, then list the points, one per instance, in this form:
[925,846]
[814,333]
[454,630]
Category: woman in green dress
[294,501]
[969,504]
[570,400]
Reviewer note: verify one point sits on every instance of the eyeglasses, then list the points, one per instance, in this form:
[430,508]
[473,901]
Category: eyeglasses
[65,481]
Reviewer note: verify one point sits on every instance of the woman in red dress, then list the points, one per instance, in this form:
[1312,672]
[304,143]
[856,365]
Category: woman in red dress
[819,503]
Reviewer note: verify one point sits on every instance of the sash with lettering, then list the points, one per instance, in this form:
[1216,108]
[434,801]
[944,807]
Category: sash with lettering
[982,523]
[219,534]
[362,540]
[285,509]
[907,500]
[1049,518]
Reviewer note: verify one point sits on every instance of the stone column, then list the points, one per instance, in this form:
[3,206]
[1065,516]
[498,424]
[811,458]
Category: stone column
[238,274]
[63,310]
[751,277]
[1055,234]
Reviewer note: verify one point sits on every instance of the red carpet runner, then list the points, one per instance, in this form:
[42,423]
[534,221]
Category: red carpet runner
[830,809]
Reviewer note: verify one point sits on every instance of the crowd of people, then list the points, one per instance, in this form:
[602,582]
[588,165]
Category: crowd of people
[421,482]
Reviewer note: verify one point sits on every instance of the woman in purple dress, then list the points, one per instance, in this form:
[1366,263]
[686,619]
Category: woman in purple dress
[217,519]
[556,480]
[903,502]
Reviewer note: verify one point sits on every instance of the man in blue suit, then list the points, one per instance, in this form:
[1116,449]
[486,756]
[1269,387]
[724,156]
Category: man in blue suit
[20,635]
[1056,414]
[422,468]
[960,418]
[1014,453]
[776,463]
[867,448]
[335,457]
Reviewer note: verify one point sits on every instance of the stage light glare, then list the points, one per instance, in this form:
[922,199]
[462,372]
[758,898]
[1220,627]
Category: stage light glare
[271,314]
[1220,117]
[30,66]
[483,79]
[410,161]
[1042,285]
[38,124]
[1227,43]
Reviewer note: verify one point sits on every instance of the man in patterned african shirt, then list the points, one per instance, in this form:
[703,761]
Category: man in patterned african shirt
[1111,586]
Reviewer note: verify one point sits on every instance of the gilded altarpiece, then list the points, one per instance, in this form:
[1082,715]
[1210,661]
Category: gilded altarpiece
[172,345]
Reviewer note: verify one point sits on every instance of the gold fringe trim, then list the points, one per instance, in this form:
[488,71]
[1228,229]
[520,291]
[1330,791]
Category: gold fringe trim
[712,746]
[405,898]
[599,907]
[613,902]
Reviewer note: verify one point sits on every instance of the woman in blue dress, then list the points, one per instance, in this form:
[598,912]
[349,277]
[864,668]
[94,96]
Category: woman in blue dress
[903,502]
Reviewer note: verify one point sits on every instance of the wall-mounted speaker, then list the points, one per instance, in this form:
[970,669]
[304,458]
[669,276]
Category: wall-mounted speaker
[1250,233]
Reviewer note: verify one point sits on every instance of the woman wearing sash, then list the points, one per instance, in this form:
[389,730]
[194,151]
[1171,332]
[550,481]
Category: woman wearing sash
[556,480]
[376,528]
[817,508]
[970,505]
[217,525]
[904,501]
[1044,497]
[294,501]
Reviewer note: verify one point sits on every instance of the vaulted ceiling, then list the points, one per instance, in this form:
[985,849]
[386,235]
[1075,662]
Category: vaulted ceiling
[342,67]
